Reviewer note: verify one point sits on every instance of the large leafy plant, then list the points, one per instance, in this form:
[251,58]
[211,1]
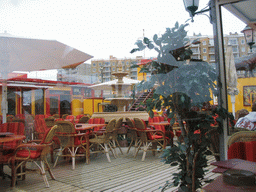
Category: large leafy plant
[183,88]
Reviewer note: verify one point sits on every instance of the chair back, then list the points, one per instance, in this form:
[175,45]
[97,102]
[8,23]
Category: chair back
[64,116]
[130,122]
[119,123]
[141,125]
[157,120]
[71,118]
[56,116]
[242,136]
[83,119]
[48,136]
[49,121]
[66,127]
[97,121]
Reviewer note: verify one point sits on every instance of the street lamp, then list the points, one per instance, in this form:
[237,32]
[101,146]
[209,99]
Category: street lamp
[249,34]
[192,5]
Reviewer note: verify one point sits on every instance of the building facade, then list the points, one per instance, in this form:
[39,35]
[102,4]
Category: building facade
[103,68]
[81,74]
[205,49]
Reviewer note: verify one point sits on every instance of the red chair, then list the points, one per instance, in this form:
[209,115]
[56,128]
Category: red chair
[17,128]
[149,138]
[167,132]
[70,118]
[97,121]
[40,128]
[32,152]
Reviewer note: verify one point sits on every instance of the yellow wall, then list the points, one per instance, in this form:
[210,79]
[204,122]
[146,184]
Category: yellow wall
[77,105]
[239,103]
[141,76]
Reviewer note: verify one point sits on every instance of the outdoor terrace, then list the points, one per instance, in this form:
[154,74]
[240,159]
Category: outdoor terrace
[125,173]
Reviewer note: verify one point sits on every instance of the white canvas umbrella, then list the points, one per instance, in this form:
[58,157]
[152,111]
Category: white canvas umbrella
[108,85]
[25,54]
[231,76]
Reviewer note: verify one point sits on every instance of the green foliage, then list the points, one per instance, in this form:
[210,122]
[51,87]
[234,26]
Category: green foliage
[182,87]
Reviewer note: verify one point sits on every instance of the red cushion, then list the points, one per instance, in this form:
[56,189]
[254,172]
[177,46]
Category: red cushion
[237,151]
[77,140]
[34,154]
[178,133]
[250,148]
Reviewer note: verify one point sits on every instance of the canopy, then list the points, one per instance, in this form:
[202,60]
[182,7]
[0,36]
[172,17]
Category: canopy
[108,85]
[25,54]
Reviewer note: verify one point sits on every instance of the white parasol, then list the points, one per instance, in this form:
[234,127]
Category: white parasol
[108,85]
[25,54]
[231,76]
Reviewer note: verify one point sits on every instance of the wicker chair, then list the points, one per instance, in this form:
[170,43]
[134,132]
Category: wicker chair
[83,119]
[242,136]
[132,134]
[49,121]
[115,136]
[149,138]
[100,143]
[72,144]
[32,152]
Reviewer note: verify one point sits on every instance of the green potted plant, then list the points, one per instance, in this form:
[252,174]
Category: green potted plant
[183,88]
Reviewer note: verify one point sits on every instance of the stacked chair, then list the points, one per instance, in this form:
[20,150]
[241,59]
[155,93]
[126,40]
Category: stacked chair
[133,135]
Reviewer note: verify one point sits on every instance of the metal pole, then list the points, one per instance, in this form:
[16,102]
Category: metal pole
[221,69]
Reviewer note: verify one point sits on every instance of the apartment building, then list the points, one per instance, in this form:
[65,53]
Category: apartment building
[81,73]
[206,51]
[103,68]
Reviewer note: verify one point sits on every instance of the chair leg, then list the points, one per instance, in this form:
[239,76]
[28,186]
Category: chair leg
[137,151]
[145,148]
[119,146]
[106,151]
[130,146]
[49,169]
[73,155]
[57,158]
[44,174]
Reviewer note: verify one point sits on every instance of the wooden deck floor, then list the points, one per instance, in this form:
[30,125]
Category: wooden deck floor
[122,174]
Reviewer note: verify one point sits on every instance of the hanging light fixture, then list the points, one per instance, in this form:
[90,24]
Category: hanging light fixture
[249,36]
[191,6]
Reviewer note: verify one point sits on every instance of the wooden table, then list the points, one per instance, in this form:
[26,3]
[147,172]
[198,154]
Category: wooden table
[164,123]
[219,185]
[85,126]
[8,138]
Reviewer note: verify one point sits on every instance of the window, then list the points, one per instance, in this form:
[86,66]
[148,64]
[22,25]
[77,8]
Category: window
[212,57]
[243,49]
[113,69]
[204,42]
[211,42]
[94,64]
[100,64]
[212,50]
[204,50]
[205,58]
[232,42]
[94,70]
[242,41]
[235,49]
[113,64]
[127,63]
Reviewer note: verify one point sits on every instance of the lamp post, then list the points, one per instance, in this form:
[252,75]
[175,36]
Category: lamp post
[192,5]
[249,34]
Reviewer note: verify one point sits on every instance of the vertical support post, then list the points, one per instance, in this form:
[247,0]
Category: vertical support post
[221,69]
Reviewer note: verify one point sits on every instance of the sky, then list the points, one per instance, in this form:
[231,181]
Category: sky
[103,27]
